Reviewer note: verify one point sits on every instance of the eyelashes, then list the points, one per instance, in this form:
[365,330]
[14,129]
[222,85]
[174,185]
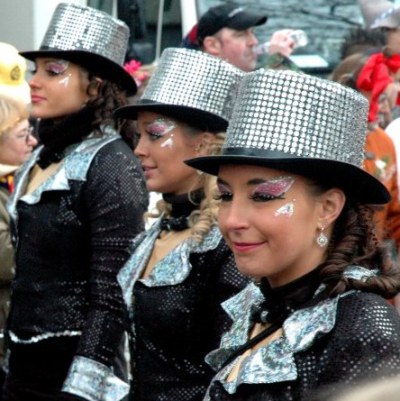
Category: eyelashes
[276,187]
[226,196]
[265,191]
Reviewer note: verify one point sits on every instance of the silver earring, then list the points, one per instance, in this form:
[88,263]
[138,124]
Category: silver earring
[322,239]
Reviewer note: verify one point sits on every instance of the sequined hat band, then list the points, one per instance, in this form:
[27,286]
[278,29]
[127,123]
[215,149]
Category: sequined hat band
[190,83]
[302,124]
[90,38]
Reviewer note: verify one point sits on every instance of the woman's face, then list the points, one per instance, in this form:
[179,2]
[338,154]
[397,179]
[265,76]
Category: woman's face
[58,88]
[162,148]
[270,219]
[17,144]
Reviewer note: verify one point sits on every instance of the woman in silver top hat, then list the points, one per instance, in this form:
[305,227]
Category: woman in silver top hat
[78,202]
[180,268]
[294,209]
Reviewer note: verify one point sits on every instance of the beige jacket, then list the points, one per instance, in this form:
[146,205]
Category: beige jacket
[6,254]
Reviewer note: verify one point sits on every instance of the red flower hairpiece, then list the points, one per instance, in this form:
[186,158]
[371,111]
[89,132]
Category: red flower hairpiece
[133,67]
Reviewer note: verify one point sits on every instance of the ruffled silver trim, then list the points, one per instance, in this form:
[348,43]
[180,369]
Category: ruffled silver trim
[73,167]
[94,381]
[173,269]
[274,362]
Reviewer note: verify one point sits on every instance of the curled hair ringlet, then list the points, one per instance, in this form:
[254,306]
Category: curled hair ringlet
[355,242]
[109,98]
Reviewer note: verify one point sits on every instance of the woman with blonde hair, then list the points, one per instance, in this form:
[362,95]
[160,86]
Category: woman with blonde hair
[180,269]
[16,145]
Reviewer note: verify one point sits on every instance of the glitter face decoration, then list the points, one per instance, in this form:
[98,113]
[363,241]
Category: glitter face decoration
[285,210]
[58,68]
[65,81]
[161,127]
[274,188]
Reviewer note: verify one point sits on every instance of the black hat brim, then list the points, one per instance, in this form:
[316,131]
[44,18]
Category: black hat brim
[96,64]
[201,119]
[245,20]
[358,185]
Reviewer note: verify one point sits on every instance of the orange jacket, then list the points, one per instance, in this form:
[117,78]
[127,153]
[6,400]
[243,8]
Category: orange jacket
[380,161]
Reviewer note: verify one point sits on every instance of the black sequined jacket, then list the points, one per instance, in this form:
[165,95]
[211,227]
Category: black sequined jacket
[176,314]
[71,235]
[331,344]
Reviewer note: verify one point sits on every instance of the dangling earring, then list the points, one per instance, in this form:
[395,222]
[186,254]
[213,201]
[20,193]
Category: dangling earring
[322,239]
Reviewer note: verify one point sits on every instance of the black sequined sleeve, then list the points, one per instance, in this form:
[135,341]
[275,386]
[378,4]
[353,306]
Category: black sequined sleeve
[116,199]
[363,346]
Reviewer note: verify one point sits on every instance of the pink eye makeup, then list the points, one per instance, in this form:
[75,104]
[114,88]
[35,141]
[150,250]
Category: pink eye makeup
[57,67]
[222,187]
[160,127]
[223,193]
[272,189]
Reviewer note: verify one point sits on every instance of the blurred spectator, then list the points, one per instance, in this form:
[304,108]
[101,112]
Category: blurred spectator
[226,31]
[362,40]
[16,144]
[383,15]
[372,76]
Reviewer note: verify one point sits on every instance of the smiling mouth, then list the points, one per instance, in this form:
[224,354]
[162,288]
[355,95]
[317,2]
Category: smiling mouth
[242,247]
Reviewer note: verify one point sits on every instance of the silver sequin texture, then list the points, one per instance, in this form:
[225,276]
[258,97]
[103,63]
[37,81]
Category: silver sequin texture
[213,82]
[300,115]
[93,381]
[75,27]
[173,269]
[275,361]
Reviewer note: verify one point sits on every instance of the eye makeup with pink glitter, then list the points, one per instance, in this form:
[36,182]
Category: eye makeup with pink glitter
[272,189]
[224,193]
[57,67]
[160,127]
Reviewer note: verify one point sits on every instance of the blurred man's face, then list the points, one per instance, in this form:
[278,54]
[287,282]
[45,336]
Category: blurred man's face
[393,40]
[235,47]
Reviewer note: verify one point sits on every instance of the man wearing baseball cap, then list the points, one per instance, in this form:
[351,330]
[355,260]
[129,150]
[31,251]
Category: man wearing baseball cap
[226,31]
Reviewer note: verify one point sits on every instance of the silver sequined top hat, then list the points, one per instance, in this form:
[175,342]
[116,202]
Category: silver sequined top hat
[380,14]
[89,38]
[191,86]
[301,124]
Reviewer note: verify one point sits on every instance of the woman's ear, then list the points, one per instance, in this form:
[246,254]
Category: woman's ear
[93,87]
[205,143]
[332,204]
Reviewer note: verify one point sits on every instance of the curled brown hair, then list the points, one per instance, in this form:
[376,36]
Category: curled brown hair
[109,98]
[355,242]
